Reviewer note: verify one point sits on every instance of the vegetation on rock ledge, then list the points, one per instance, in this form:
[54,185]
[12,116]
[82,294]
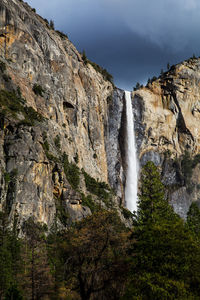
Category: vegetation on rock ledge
[11,105]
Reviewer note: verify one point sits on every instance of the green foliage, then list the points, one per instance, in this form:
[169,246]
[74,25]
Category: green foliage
[51,24]
[98,258]
[148,81]
[76,158]
[137,87]
[36,272]
[193,219]
[84,57]
[62,34]
[154,78]
[106,75]
[51,157]
[10,176]
[163,250]
[6,178]
[72,172]
[88,201]
[100,189]
[109,99]
[151,80]
[12,104]
[187,165]
[151,195]
[10,257]
[196,160]
[167,153]
[2,66]
[126,213]
[61,213]
[13,293]
[46,148]
[46,21]
[92,255]
[38,90]
[95,156]
[6,77]
[48,154]
[57,142]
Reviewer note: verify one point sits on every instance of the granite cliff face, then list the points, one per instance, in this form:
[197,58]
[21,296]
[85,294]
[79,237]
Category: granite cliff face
[52,103]
[63,126]
[168,130]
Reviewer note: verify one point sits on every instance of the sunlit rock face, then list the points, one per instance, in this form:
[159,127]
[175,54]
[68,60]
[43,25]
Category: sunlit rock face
[73,100]
[167,126]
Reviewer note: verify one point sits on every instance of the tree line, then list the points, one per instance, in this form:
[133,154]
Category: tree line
[99,258]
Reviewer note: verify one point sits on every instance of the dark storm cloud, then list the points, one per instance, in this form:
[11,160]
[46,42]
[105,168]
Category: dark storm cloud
[132,39]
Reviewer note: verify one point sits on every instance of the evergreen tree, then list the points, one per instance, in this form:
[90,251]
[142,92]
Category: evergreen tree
[37,277]
[152,205]
[193,219]
[10,258]
[84,57]
[93,257]
[163,251]
[54,241]
[51,24]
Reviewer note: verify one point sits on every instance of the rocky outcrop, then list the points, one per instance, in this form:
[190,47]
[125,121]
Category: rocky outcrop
[168,130]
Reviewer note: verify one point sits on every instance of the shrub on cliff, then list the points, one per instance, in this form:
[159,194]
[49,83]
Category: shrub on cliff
[51,24]
[38,90]
[72,172]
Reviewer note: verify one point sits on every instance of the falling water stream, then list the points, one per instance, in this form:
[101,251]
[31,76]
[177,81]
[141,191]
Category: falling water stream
[131,158]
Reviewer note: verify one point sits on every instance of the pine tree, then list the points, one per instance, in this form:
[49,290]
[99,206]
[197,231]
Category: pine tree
[152,204]
[10,258]
[193,219]
[84,57]
[163,251]
[51,24]
[92,256]
[37,276]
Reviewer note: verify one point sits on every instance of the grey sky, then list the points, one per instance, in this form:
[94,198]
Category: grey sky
[132,39]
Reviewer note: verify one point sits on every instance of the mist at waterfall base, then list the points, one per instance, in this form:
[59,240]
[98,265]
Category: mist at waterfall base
[131,158]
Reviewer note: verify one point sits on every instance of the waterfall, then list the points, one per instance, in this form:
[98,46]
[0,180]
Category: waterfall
[131,158]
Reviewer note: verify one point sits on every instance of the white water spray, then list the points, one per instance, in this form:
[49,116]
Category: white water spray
[131,174]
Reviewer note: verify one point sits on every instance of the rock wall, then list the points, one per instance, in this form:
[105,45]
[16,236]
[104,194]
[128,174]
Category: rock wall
[68,101]
[168,130]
